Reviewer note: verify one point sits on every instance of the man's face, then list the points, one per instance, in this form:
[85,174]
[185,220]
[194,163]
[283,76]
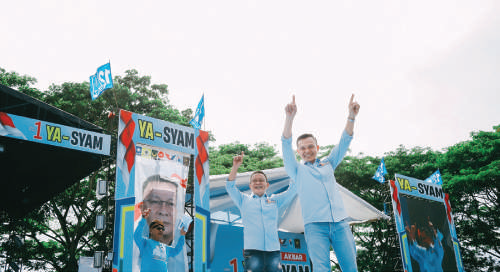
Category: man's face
[160,197]
[426,239]
[307,149]
[258,184]
[156,233]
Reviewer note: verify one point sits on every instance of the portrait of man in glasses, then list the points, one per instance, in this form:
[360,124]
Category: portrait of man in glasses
[160,198]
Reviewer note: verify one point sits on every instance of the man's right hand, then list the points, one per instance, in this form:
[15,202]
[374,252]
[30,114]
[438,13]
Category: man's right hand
[145,213]
[411,231]
[291,108]
[238,160]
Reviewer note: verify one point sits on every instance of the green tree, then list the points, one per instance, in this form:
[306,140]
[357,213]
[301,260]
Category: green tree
[21,83]
[61,230]
[471,175]
[131,92]
[260,156]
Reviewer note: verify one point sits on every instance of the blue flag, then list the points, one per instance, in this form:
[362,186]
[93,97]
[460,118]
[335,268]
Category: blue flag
[199,114]
[435,178]
[381,171]
[101,81]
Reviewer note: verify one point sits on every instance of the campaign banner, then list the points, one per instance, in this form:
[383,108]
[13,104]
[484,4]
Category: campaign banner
[425,226]
[227,250]
[53,134]
[153,158]
[294,252]
[202,203]
[160,187]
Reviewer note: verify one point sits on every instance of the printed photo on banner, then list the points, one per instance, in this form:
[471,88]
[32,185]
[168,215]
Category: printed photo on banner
[429,240]
[160,187]
[425,226]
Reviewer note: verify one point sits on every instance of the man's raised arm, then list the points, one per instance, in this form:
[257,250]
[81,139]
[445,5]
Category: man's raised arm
[290,110]
[353,112]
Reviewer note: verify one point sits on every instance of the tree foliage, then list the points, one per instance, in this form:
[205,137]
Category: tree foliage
[471,170]
[131,92]
[21,83]
[260,156]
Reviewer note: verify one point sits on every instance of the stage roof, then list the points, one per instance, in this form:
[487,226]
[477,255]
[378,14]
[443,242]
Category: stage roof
[32,173]
[224,211]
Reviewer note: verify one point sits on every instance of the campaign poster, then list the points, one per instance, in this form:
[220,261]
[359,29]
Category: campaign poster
[425,226]
[160,187]
[227,255]
[58,135]
[153,159]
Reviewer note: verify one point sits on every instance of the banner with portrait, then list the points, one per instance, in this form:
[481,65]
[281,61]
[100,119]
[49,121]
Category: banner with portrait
[160,187]
[425,226]
[153,158]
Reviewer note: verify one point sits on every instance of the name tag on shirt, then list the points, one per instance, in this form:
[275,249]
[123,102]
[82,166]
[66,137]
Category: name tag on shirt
[270,201]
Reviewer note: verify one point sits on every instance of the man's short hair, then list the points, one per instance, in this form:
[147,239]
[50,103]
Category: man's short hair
[427,230]
[257,172]
[304,136]
[157,178]
[155,223]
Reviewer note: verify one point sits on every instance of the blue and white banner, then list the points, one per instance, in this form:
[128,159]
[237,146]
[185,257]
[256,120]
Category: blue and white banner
[43,132]
[199,114]
[152,153]
[101,81]
[381,171]
[435,178]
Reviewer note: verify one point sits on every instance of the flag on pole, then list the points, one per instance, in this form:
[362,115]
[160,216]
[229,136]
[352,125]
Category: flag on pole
[199,114]
[435,178]
[381,171]
[101,81]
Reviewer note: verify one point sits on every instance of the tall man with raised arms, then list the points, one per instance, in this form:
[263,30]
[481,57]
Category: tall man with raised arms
[322,207]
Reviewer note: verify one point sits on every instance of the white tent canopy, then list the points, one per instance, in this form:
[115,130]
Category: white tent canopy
[223,209]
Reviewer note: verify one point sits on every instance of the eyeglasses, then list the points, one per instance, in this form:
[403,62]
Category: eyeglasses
[159,203]
[160,228]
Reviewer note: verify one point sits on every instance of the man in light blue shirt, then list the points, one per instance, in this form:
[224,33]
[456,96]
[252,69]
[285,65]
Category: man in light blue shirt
[259,213]
[426,247]
[322,207]
[154,254]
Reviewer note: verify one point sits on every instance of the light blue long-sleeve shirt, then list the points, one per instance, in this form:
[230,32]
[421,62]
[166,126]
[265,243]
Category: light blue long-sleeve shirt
[260,216]
[154,254]
[429,259]
[320,199]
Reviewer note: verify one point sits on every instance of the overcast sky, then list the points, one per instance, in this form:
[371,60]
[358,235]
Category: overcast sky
[426,72]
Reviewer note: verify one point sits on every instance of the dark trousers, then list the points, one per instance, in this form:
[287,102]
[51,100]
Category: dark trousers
[262,261]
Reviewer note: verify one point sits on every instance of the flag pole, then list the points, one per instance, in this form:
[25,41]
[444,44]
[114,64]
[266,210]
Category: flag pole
[114,93]
[205,115]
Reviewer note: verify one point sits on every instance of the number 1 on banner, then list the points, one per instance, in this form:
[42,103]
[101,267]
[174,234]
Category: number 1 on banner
[37,136]
[234,264]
